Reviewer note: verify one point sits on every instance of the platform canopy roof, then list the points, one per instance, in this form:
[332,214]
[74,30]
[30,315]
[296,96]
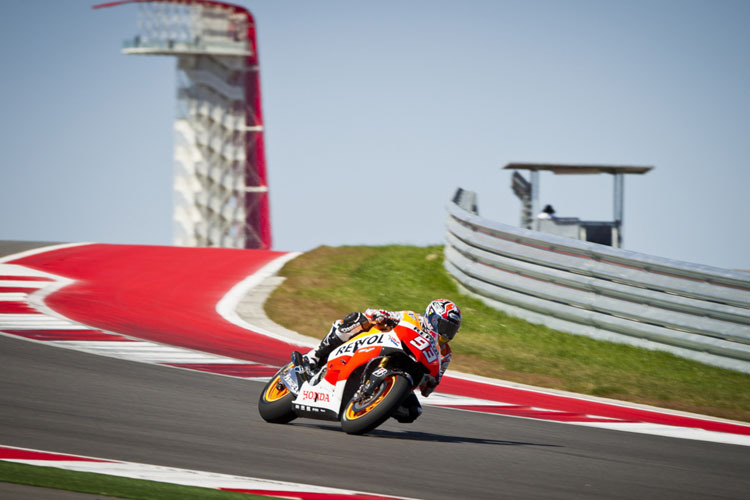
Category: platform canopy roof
[579,169]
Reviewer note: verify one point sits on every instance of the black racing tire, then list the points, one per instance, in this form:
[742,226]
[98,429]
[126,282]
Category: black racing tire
[359,417]
[275,405]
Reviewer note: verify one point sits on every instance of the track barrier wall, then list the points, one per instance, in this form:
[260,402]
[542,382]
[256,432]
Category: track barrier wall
[691,310]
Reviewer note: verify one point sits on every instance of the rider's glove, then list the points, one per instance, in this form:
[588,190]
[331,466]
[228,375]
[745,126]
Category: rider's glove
[428,385]
[382,318]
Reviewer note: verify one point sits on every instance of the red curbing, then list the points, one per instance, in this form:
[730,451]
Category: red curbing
[12,454]
[162,294]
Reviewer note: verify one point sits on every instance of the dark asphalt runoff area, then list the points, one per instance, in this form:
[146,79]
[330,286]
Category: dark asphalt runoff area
[71,402]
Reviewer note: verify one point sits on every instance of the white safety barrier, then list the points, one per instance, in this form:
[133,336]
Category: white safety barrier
[692,310]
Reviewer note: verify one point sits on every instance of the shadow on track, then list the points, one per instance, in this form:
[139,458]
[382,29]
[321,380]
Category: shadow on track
[426,436]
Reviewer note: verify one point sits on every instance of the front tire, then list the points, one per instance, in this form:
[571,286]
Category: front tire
[359,417]
[275,403]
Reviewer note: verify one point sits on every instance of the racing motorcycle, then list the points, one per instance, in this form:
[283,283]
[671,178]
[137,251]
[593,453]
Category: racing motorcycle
[363,383]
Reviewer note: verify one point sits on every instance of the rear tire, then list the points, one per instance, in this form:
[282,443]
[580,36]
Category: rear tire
[275,404]
[359,417]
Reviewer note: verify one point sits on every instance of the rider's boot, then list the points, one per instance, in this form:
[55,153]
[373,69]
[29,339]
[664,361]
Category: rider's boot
[306,370]
[409,410]
[318,356]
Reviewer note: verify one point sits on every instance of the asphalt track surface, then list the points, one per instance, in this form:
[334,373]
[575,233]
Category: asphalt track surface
[73,402]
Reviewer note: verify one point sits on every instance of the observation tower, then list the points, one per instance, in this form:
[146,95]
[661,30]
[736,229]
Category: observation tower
[220,185]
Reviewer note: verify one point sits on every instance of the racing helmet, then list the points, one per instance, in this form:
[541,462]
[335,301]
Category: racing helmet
[444,318]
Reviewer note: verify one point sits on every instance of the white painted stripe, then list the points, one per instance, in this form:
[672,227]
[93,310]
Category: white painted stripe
[147,352]
[44,288]
[670,431]
[227,306]
[181,476]
[36,322]
[442,399]
[35,251]
[152,357]
[24,283]
[21,271]
[186,477]
[600,417]
[13,296]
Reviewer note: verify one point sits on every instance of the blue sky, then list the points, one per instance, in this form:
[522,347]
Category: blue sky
[376,111]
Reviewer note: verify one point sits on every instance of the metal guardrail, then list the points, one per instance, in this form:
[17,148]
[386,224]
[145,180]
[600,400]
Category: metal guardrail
[694,311]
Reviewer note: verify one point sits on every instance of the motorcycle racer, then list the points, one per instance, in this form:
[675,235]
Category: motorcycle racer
[441,320]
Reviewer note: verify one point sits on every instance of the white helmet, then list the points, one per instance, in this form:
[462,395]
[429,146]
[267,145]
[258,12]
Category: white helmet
[443,317]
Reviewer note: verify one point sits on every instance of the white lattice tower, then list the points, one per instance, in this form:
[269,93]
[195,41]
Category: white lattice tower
[221,193]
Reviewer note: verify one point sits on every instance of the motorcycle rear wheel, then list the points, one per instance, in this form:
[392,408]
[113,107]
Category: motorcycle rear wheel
[275,403]
[359,417]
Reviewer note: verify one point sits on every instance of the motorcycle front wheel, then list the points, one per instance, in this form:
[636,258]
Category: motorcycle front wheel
[275,403]
[363,415]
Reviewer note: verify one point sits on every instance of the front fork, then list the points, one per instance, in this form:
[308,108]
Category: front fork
[372,382]
[294,375]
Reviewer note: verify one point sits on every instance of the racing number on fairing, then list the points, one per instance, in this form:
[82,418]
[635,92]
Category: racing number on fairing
[426,347]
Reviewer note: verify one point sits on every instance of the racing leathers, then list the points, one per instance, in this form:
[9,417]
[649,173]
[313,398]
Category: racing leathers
[357,322]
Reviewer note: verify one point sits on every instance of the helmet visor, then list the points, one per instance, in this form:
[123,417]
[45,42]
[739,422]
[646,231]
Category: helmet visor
[443,327]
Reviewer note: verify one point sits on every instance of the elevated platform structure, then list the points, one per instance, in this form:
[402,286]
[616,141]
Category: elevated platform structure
[603,232]
[220,184]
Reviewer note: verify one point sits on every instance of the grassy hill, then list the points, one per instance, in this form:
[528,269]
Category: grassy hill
[327,283]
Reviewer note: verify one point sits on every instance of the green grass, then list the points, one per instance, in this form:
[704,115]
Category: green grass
[113,486]
[327,283]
